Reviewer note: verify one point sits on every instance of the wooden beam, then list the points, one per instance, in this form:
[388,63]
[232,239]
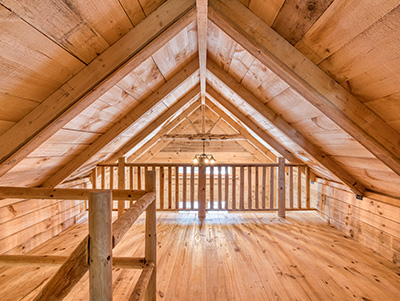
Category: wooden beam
[242,130]
[55,260]
[281,188]
[188,98]
[100,251]
[123,124]
[278,122]
[64,193]
[170,125]
[308,80]
[143,283]
[218,98]
[202,20]
[193,126]
[154,149]
[94,80]
[204,136]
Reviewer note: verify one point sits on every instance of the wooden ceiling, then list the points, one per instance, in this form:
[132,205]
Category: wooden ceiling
[88,81]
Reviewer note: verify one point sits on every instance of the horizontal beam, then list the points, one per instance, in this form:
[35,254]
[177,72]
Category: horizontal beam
[64,193]
[94,80]
[54,260]
[204,136]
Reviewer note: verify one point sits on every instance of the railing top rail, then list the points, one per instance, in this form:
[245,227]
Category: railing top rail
[190,164]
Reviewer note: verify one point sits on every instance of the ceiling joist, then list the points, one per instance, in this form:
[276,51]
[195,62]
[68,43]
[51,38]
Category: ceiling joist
[308,80]
[94,80]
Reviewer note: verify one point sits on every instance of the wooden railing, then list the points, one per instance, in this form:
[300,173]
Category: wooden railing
[244,187]
[94,253]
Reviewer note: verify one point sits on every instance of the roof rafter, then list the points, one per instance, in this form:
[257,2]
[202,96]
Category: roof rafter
[202,19]
[94,80]
[308,80]
[218,98]
[124,123]
[286,129]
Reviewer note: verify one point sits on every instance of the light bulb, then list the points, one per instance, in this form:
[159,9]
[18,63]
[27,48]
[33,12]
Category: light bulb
[206,160]
[212,161]
[195,161]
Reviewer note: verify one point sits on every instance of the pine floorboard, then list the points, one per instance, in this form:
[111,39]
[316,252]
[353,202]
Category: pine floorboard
[231,256]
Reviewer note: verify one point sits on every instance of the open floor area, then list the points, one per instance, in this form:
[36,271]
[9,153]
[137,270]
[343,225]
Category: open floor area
[231,256]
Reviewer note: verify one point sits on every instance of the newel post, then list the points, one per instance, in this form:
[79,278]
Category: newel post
[282,188]
[150,236]
[100,246]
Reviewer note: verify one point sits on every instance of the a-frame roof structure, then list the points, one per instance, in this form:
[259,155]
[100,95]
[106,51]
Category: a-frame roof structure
[85,82]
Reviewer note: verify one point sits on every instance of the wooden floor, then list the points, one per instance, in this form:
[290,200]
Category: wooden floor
[233,256]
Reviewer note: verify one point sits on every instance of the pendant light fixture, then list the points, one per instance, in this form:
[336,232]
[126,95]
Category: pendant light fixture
[204,158]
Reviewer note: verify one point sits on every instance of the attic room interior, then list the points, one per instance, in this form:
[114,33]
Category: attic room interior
[200,150]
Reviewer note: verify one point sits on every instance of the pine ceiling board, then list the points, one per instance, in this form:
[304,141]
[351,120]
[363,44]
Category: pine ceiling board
[241,62]
[13,108]
[266,10]
[376,46]
[388,108]
[102,114]
[220,47]
[297,16]
[212,147]
[179,51]
[72,137]
[365,163]
[142,81]
[106,17]
[148,6]
[270,88]
[189,83]
[255,76]
[31,172]
[384,80]
[57,150]
[62,23]
[133,10]
[5,126]
[346,147]
[383,182]
[186,157]
[342,22]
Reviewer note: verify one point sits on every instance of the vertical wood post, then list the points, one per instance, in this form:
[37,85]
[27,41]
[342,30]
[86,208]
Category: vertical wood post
[307,176]
[150,236]
[192,184]
[282,188]
[264,180]
[299,187]
[211,187]
[100,246]
[226,187]
[271,187]
[291,186]
[169,187]
[121,184]
[202,191]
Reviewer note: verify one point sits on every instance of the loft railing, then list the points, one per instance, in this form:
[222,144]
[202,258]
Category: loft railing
[94,252]
[240,187]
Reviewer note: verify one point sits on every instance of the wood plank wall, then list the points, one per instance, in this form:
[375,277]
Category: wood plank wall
[25,224]
[373,221]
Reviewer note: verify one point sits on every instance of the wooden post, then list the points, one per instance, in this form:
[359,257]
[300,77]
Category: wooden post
[131,183]
[100,246]
[162,186]
[226,187]
[291,186]
[219,188]
[264,180]
[192,187]
[184,187]
[121,184]
[299,187]
[256,190]
[169,187]
[271,187]
[202,191]
[211,187]
[241,185]
[282,188]
[150,237]
[249,188]
[233,187]
[307,176]
[176,187]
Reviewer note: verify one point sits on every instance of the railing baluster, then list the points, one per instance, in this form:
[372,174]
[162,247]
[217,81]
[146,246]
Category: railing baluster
[249,188]
[184,187]
[233,187]
[291,187]
[264,180]
[162,187]
[192,184]
[226,187]
[177,187]
[211,187]
[241,187]
[169,187]
[271,187]
[307,186]
[256,190]
[219,187]
[139,177]
[281,188]
[299,187]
